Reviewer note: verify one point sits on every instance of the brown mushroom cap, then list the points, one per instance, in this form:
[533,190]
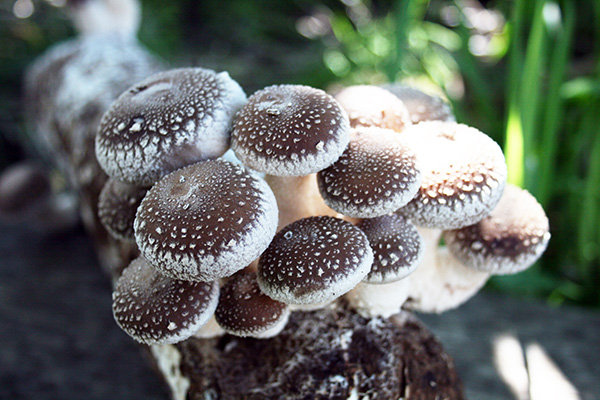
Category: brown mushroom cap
[244,310]
[373,106]
[152,308]
[463,174]
[397,247]
[23,186]
[377,174]
[314,260]
[167,121]
[510,239]
[117,205]
[288,130]
[206,221]
[420,105]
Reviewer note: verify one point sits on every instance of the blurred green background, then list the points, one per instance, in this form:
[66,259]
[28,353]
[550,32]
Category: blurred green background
[526,72]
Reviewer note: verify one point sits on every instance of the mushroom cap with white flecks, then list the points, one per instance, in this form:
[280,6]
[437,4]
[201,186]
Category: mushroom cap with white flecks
[152,308]
[206,221]
[420,105]
[397,247]
[377,174]
[463,174]
[244,310]
[117,205]
[314,260]
[167,121]
[290,130]
[510,239]
[373,106]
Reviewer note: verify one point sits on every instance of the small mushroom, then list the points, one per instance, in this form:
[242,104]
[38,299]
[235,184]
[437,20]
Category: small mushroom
[152,308]
[420,105]
[117,205]
[463,175]
[314,260]
[377,174]
[206,221]
[167,121]
[373,106]
[510,239]
[290,130]
[397,247]
[244,310]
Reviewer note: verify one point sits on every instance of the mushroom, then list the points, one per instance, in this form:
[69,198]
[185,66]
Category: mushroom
[117,205]
[463,174]
[380,300]
[290,130]
[314,260]
[167,121]
[373,106]
[205,221]
[377,174]
[510,239]
[397,247]
[152,308]
[244,310]
[420,105]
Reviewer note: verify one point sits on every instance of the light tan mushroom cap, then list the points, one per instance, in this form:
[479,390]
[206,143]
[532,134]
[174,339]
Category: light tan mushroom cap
[463,174]
[510,239]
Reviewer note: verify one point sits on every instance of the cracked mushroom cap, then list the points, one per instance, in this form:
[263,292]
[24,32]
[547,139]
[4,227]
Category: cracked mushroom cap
[463,175]
[167,121]
[206,221]
[290,130]
[244,310]
[152,308]
[510,239]
[397,247]
[373,106]
[376,175]
[420,105]
[314,260]
[117,205]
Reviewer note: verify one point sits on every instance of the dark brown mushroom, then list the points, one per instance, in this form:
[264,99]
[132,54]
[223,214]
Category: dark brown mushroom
[117,205]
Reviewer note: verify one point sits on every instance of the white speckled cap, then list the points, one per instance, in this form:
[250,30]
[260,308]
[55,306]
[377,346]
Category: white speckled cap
[117,205]
[397,247]
[206,221]
[244,310]
[167,121]
[463,174]
[152,308]
[290,130]
[373,106]
[314,260]
[420,105]
[377,174]
[510,239]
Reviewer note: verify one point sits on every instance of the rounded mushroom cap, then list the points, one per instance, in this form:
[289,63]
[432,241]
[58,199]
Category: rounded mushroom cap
[23,186]
[420,105]
[373,106]
[244,310]
[117,205]
[288,130]
[314,260]
[167,121]
[377,174]
[206,221]
[152,308]
[463,174]
[397,247]
[510,239]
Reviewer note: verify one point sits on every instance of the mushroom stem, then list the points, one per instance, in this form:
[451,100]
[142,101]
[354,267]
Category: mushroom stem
[297,197]
[441,282]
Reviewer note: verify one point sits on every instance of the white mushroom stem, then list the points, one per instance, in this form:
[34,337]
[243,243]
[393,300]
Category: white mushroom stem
[209,330]
[92,17]
[441,282]
[297,197]
[379,300]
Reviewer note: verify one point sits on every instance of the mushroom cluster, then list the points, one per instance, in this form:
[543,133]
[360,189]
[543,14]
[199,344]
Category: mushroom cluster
[328,198]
